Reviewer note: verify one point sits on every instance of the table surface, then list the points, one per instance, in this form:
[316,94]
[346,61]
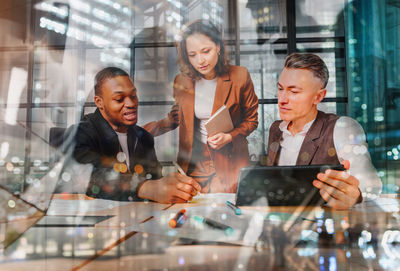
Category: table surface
[80,233]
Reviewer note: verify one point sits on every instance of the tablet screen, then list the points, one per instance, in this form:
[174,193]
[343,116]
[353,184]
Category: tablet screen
[280,185]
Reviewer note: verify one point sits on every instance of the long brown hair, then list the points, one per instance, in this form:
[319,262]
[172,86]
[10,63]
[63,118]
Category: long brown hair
[208,29]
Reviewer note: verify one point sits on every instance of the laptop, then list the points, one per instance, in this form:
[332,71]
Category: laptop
[280,185]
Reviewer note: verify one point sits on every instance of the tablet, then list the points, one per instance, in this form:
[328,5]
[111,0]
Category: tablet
[280,185]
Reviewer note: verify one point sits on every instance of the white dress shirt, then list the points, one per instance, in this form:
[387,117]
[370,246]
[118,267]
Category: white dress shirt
[203,103]
[350,144]
[123,141]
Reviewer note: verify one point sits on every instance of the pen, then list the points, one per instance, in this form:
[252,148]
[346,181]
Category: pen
[178,220]
[178,167]
[236,209]
[214,224]
[180,170]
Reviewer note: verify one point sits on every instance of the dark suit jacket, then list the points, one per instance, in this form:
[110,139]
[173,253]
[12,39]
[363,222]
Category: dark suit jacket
[97,144]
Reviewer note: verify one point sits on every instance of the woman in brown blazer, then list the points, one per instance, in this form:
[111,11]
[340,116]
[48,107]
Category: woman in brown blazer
[207,81]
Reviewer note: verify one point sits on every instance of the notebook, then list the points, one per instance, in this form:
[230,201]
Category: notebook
[219,122]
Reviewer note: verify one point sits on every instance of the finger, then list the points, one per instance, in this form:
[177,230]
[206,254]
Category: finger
[186,188]
[182,195]
[338,184]
[340,204]
[332,202]
[340,175]
[214,146]
[333,192]
[190,181]
[346,164]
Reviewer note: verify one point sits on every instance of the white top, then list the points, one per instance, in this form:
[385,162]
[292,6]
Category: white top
[350,144]
[203,103]
[123,141]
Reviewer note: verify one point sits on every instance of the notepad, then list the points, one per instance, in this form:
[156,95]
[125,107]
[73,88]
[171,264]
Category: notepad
[219,122]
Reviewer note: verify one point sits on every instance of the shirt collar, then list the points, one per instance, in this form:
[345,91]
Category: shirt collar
[284,124]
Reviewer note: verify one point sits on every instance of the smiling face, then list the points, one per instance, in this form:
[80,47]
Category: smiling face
[203,54]
[118,103]
[299,92]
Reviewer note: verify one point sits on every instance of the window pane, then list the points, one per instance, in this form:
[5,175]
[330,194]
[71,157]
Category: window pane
[264,62]
[14,77]
[261,19]
[155,70]
[316,18]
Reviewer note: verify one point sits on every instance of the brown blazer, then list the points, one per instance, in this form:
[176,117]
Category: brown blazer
[318,146]
[236,91]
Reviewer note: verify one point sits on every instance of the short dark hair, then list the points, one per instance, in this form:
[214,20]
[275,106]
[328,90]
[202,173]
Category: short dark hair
[310,62]
[106,73]
[206,28]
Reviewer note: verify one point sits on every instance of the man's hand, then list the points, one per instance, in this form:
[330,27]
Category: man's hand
[219,140]
[338,188]
[173,188]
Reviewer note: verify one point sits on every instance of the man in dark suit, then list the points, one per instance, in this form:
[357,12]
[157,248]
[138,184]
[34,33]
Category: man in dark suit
[125,166]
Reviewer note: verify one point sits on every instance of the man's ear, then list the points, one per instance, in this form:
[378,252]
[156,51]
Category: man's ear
[99,102]
[320,96]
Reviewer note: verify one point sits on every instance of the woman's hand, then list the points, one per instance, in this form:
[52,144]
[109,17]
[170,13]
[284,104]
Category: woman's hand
[219,140]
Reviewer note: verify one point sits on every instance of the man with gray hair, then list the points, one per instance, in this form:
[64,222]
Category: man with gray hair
[307,136]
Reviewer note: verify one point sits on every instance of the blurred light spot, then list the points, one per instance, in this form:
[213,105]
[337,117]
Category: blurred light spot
[215,256]
[331,152]
[347,148]
[138,169]
[5,146]
[121,157]
[95,189]
[377,141]
[52,174]
[223,216]
[304,156]
[90,235]
[36,182]
[11,203]
[181,260]
[148,176]
[2,162]
[66,177]
[17,171]
[15,159]
[9,166]
[37,163]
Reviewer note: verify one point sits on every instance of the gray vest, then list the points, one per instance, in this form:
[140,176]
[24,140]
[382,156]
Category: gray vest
[317,148]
